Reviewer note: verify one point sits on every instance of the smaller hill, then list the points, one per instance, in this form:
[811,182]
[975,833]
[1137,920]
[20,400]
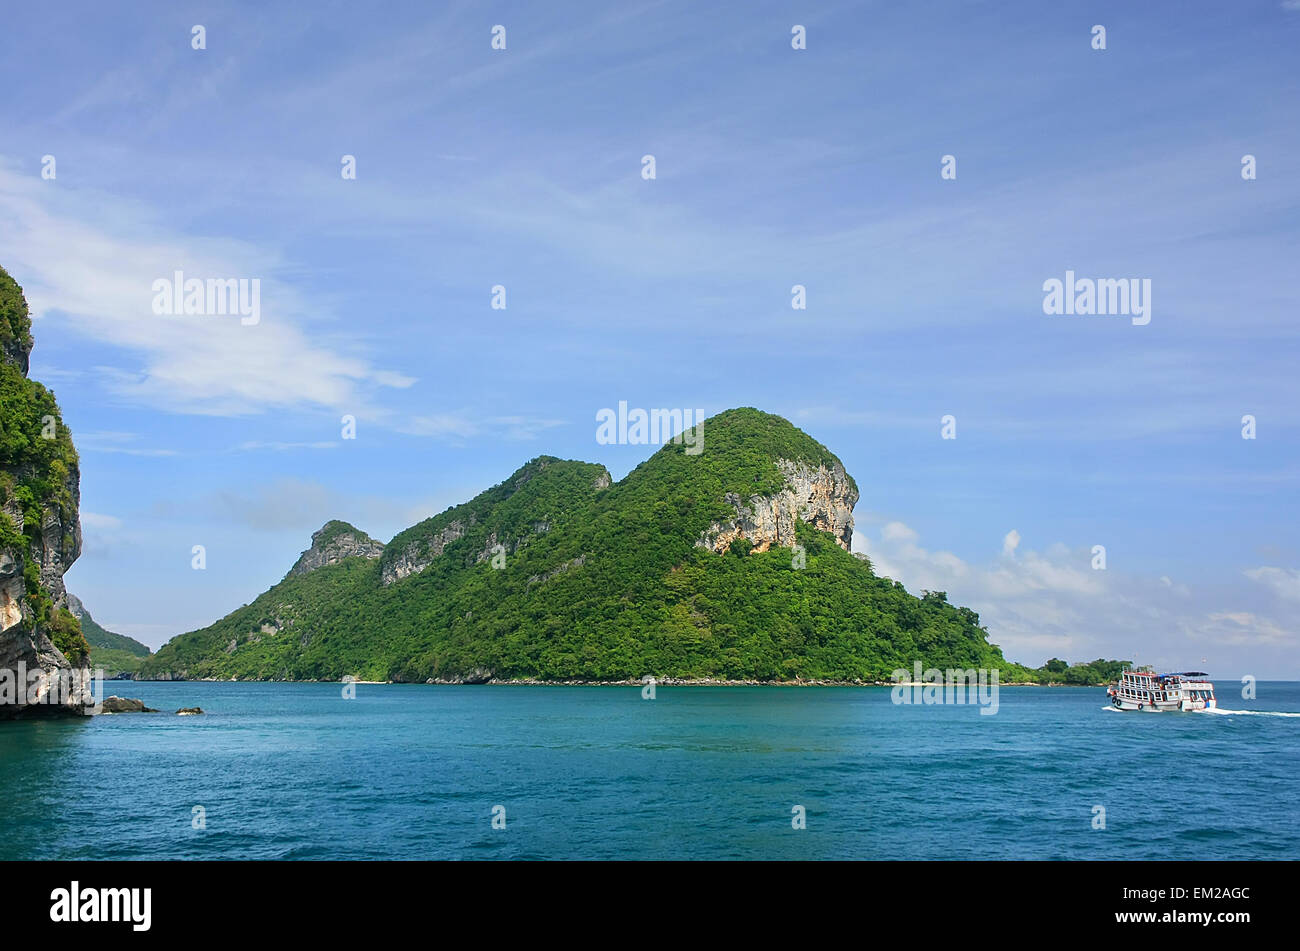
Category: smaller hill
[115,654]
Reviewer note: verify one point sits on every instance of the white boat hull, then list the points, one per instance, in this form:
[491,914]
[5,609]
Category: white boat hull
[1162,706]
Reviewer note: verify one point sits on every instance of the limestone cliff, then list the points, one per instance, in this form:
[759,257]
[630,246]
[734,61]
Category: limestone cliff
[415,555]
[43,657]
[332,543]
[822,496]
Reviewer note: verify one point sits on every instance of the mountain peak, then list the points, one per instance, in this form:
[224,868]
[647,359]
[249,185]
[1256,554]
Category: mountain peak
[334,541]
[510,514]
[763,476]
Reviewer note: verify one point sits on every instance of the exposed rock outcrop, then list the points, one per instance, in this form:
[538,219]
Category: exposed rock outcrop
[75,605]
[479,675]
[557,570]
[332,543]
[823,497]
[420,553]
[40,537]
[494,545]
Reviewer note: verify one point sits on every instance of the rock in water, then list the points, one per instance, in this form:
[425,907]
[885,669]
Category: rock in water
[189,711]
[125,705]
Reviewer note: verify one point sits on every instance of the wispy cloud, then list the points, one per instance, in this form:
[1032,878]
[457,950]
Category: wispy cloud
[1284,582]
[463,425]
[254,445]
[91,261]
[125,444]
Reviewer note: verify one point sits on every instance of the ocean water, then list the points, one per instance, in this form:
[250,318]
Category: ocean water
[294,771]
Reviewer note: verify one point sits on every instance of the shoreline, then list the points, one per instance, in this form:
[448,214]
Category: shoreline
[665,682]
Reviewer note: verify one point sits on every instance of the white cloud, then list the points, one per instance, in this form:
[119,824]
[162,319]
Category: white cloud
[1284,582]
[125,444]
[1044,603]
[90,261]
[98,521]
[1242,628]
[897,531]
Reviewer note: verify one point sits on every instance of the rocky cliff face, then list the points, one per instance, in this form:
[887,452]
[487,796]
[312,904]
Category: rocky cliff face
[43,657]
[335,541]
[419,553]
[823,497]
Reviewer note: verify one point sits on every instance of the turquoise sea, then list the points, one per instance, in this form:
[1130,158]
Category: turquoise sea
[294,771]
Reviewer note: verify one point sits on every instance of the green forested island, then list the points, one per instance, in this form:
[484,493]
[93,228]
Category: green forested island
[729,563]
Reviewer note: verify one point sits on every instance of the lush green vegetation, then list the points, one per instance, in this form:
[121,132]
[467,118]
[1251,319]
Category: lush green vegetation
[334,529]
[1057,671]
[115,662]
[38,465]
[601,584]
[99,638]
[15,322]
[113,653]
[544,494]
[64,631]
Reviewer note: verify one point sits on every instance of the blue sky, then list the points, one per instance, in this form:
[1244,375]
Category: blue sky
[775,167]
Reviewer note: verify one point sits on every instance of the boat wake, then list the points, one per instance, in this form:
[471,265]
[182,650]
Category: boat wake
[1227,713]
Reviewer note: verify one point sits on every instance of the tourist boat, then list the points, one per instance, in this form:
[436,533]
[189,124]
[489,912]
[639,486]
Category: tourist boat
[1158,693]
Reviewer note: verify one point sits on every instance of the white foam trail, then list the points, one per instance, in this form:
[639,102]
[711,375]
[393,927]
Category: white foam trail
[1224,713]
